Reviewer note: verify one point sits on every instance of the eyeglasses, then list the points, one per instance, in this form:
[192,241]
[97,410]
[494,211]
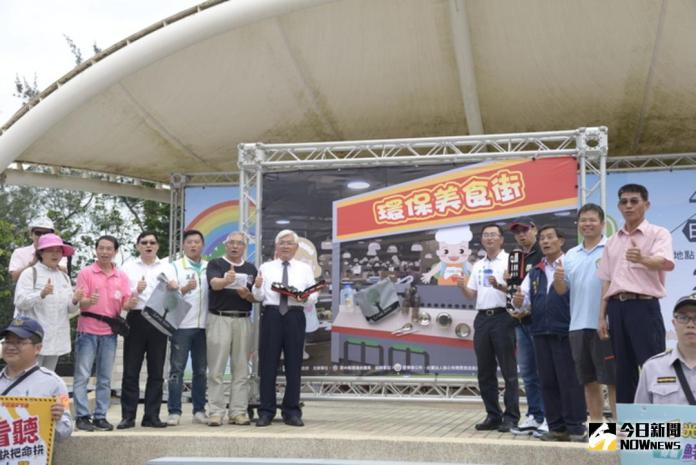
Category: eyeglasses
[632,201]
[490,235]
[39,233]
[237,243]
[684,320]
[17,344]
[148,242]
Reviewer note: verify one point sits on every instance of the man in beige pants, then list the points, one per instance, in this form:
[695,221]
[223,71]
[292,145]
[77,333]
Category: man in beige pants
[229,331]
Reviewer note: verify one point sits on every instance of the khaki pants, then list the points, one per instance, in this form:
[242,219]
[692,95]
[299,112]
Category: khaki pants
[228,338]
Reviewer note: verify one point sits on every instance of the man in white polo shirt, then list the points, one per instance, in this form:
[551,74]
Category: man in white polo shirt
[494,332]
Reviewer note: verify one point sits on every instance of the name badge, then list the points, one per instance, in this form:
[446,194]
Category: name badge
[667,379]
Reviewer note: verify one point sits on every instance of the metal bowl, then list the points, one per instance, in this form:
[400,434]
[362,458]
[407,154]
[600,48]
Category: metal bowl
[444,319]
[424,319]
[462,330]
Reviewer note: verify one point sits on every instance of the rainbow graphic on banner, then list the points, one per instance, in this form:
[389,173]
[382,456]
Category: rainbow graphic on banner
[216,222]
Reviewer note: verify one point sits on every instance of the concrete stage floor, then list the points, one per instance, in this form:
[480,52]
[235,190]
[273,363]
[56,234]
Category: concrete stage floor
[359,430]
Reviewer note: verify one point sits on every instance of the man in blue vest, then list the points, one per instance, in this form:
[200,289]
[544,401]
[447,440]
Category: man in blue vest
[564,399]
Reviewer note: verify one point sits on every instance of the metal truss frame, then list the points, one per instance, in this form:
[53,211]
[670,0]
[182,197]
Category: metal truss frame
[429,388]
[588,145]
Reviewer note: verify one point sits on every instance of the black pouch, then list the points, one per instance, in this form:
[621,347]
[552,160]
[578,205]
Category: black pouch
[118,324]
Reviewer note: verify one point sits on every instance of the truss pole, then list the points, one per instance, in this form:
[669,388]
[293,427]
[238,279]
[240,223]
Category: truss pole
[176,214]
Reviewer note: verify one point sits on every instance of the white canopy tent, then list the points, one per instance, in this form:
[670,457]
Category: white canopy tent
[179,96]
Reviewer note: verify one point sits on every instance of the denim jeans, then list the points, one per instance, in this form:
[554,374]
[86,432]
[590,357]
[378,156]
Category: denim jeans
[91,348]
[184,341]
[526,363]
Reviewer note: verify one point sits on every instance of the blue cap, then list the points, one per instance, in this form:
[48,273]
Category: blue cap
[24,328]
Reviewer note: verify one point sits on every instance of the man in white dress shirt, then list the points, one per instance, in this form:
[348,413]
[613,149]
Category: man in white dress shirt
[143,340]
[282,329]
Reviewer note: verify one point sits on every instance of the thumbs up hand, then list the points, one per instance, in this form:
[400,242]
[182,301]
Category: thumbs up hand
[559,272]
[141,285]
[48,289]
[633,253]
[78,295]
[258,282]
[94,298]
[229,276]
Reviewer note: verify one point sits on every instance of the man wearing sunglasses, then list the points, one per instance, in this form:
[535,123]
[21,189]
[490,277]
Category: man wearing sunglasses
[24,257]
[633,268]
[670,377]
[143,340]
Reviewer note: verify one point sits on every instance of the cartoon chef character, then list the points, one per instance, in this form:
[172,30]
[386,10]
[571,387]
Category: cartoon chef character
[453,251]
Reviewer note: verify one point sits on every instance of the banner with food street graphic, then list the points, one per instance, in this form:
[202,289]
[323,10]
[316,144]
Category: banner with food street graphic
[474,193]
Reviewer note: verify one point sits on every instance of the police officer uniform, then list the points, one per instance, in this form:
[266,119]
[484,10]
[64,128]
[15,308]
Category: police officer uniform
[659,381]
[42,382]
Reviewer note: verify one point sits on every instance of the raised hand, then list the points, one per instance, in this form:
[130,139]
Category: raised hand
[94,298]
[142,284]
[48,289]
[559,272]
[229,277]
[633,253]
[78,295]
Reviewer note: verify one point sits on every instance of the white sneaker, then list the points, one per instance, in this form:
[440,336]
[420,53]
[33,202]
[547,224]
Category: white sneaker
[173,419]
[526,427]
[200,418]
[543,428]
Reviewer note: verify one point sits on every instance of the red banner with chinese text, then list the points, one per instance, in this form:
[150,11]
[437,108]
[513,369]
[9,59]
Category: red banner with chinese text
[475,193]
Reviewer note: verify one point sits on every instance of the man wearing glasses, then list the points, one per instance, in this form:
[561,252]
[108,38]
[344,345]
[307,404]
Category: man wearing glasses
[24,257]
[670,377]
[632,268]
[23,377]
[282,328]
[229,331]
[143,340]
[494,332]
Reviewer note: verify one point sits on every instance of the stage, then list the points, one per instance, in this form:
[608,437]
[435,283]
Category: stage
[359,430]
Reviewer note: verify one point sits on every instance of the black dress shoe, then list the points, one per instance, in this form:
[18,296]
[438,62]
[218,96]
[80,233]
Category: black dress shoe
[102,425]
[489,424]
[126,423]
[293,421]
[83,424]
[153,423]
[506,426]
[264,420]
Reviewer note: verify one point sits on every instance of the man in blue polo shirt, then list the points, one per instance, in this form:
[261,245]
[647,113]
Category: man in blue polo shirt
[593,357]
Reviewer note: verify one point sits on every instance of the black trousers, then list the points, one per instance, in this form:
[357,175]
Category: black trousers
[494,343]
[143,339]
[284,333]
[564,396]
[637,333]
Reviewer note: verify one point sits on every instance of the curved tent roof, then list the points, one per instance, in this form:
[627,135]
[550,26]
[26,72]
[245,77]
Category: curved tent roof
[180,95]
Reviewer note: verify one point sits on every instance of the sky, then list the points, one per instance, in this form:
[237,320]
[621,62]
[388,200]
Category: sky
[32,42]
